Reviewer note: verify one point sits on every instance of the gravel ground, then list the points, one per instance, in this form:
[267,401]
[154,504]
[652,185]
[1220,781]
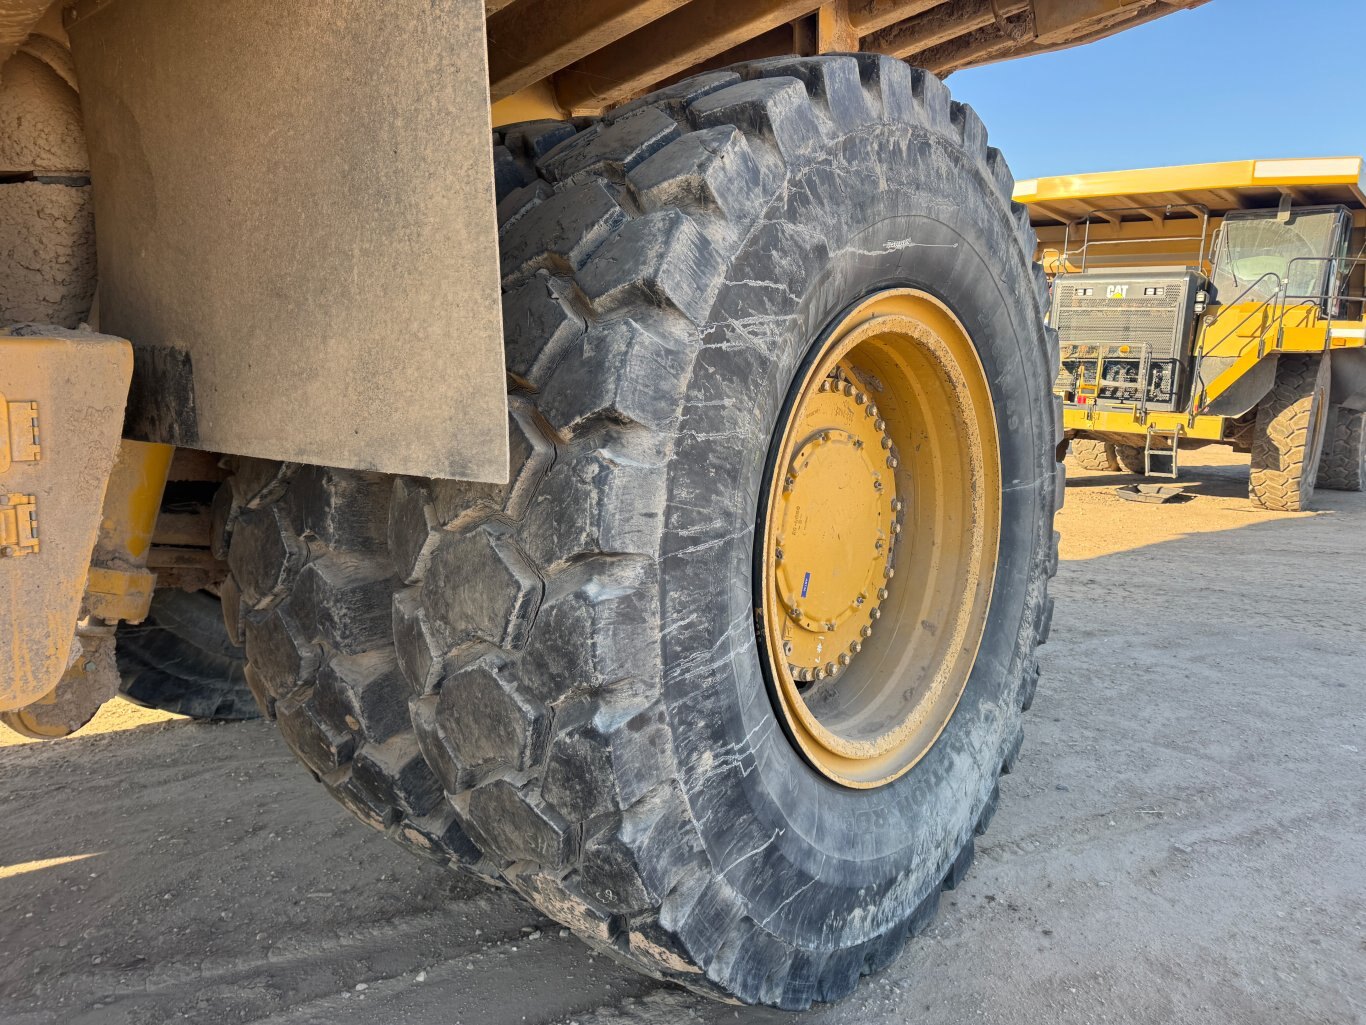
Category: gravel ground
[1184,839]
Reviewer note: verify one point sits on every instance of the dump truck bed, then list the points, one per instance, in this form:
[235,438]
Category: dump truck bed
[584,57]
[1164,216]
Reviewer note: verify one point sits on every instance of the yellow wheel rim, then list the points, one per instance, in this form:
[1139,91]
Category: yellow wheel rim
[880,530]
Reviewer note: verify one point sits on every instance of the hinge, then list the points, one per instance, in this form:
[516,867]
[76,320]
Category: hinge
[19,440]
[18,526]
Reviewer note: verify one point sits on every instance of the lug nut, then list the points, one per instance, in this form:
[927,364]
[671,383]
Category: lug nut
[866,631]
[896,527]
[874,613]
[889,572]
[897,505]
[882,594]
[886,441]
[860,398]
[855,646]
[880,425]
[892,463]
[844,658]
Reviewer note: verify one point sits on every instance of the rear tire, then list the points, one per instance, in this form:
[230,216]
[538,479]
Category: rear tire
[558,681]
[180,659]
[1287,440]
[1343,465]
[1130,459]
[1091,454]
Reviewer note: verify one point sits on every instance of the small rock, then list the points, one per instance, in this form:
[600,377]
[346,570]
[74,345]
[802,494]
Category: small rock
[420,977]
[362,987]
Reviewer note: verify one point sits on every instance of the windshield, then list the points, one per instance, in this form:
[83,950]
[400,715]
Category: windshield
[1253,244]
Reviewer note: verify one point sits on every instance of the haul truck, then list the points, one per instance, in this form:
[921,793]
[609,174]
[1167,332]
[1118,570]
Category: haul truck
[620,434]
[1212,304]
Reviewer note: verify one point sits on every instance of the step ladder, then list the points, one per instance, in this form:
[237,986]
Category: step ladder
[1160,452]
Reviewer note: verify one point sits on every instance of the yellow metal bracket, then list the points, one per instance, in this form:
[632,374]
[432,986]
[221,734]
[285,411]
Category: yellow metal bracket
[18,526]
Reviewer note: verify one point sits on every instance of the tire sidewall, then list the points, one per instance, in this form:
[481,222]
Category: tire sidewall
[930,218]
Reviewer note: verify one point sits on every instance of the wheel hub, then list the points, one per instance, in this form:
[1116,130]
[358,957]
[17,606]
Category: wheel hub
[836,529]
[880,525]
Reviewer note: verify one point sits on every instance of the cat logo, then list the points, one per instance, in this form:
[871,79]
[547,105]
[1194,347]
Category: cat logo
[1116,291]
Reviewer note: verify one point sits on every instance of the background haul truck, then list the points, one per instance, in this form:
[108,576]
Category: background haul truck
[625,451]
[1212,304]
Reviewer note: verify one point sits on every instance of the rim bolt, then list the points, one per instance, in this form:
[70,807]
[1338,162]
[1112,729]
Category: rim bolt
[886,442]
[877,485]
[860,398]
[787,647]
[825,385]
[896,527]
[872,411]
[819,674]
[844,658]
[882,594]
[880,425]
[892,462]
[897,505]
[889,572]
[855,646]
[848,388]
[866,631]
[878,545]
[875,613]
[831,669]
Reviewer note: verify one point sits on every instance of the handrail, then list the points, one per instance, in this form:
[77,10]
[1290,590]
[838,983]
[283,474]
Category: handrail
[1282,301]
[1087,219]
[1197,381]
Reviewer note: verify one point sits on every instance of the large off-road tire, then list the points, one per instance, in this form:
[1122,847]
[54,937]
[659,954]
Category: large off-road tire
[560,682]
[1129,458]
[1091,454]
[1287,440]
[1343,464]
[179,659]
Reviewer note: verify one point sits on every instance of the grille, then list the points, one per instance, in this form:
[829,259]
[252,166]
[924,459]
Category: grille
[1152,320]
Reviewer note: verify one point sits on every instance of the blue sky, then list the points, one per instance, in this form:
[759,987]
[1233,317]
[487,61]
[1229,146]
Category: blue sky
[1191,87]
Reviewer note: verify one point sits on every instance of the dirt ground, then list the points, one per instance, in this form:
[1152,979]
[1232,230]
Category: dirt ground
[1184,839]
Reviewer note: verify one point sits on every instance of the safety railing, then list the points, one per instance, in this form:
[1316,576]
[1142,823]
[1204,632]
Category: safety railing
[1116,216]
[1277,307]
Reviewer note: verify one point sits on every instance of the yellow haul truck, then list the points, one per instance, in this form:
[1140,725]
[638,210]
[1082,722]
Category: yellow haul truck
[619,434]
[1212,304]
